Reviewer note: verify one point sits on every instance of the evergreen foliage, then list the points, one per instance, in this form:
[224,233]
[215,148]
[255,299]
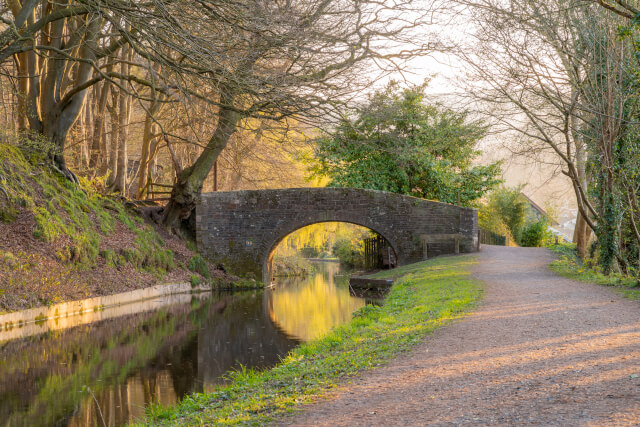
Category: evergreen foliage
[505,212]
[535,234]
[398,143]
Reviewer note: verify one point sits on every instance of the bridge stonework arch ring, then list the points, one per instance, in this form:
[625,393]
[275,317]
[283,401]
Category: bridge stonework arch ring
[240,229]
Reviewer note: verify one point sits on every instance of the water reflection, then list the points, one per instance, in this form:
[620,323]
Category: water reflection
[113,369]
[308,308]
[106,373]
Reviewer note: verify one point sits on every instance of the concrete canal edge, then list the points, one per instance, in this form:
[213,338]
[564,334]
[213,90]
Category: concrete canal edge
[366,283]
[51,318]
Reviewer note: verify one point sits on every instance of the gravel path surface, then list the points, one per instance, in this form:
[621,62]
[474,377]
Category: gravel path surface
[540,350]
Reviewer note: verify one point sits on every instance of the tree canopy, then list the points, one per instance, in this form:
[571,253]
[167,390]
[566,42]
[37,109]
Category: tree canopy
[396,142]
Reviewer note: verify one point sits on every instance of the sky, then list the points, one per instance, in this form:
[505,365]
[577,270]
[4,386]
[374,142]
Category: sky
[542,183]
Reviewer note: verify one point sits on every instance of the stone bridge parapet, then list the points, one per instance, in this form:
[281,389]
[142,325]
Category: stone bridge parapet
[241,229]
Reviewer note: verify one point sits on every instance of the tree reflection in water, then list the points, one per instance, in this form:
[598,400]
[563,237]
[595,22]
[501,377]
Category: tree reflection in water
[310,307]
[126,363]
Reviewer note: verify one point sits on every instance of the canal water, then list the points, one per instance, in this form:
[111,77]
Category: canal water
[106,373]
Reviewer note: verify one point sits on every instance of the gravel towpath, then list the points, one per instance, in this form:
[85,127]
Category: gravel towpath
[540,350]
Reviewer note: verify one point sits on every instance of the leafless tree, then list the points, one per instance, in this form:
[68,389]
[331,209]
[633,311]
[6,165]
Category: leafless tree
[532,68]
[299,59]
[263,59]
[625,8]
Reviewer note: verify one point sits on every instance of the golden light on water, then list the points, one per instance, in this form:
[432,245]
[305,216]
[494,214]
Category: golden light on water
[309,308]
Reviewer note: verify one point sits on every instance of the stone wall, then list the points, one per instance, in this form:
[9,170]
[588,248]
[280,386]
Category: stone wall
[240,229]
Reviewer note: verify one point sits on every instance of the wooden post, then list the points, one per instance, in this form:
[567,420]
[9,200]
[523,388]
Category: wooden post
[215,176]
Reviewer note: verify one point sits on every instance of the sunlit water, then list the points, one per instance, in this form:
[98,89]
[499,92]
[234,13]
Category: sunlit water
[106,373]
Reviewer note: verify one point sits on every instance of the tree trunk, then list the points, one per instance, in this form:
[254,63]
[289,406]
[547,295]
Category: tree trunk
[98,152]
[120,183]
[146,153]
[23,88]
[119,125]
[188,187]
[124,107]
[60,111]
[581,235]
[87,134]
[113,148]
[582,232]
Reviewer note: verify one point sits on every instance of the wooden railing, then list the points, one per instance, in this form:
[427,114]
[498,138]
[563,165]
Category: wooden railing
[162,190]
[490,238]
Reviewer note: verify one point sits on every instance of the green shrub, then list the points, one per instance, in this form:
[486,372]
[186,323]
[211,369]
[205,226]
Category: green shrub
[195,280]
[350,252]
[535,234]
[504,212]
[198,265]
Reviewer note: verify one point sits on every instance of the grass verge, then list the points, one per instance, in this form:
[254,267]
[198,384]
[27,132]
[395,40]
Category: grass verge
[571,266]
[426,296]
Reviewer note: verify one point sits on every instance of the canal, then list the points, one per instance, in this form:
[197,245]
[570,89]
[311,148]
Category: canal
[106,373]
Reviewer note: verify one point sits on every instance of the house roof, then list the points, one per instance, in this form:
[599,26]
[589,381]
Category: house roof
[537,207]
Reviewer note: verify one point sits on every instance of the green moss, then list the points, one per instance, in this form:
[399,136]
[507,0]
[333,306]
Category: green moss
[427,296]
[111,258]
[8,214]
[241,284]
[9,259]
[191,245]
[76,213]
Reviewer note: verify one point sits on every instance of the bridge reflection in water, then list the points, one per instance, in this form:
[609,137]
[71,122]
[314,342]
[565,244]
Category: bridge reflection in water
[113,369]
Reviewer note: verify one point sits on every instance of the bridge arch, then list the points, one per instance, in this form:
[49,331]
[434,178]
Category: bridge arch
[240,229]
[280,234]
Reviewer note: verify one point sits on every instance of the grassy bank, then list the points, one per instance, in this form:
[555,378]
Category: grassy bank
[62,242]
[426,296]
[291,266]
[571,266]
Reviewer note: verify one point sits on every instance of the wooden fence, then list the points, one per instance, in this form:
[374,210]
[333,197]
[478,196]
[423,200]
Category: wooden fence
[490,238]
[378,253]
[159,192]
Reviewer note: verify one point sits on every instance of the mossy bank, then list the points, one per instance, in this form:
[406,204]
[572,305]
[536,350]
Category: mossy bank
[425,296]
[60,241]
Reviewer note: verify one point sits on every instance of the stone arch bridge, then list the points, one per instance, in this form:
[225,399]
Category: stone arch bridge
[241,229]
